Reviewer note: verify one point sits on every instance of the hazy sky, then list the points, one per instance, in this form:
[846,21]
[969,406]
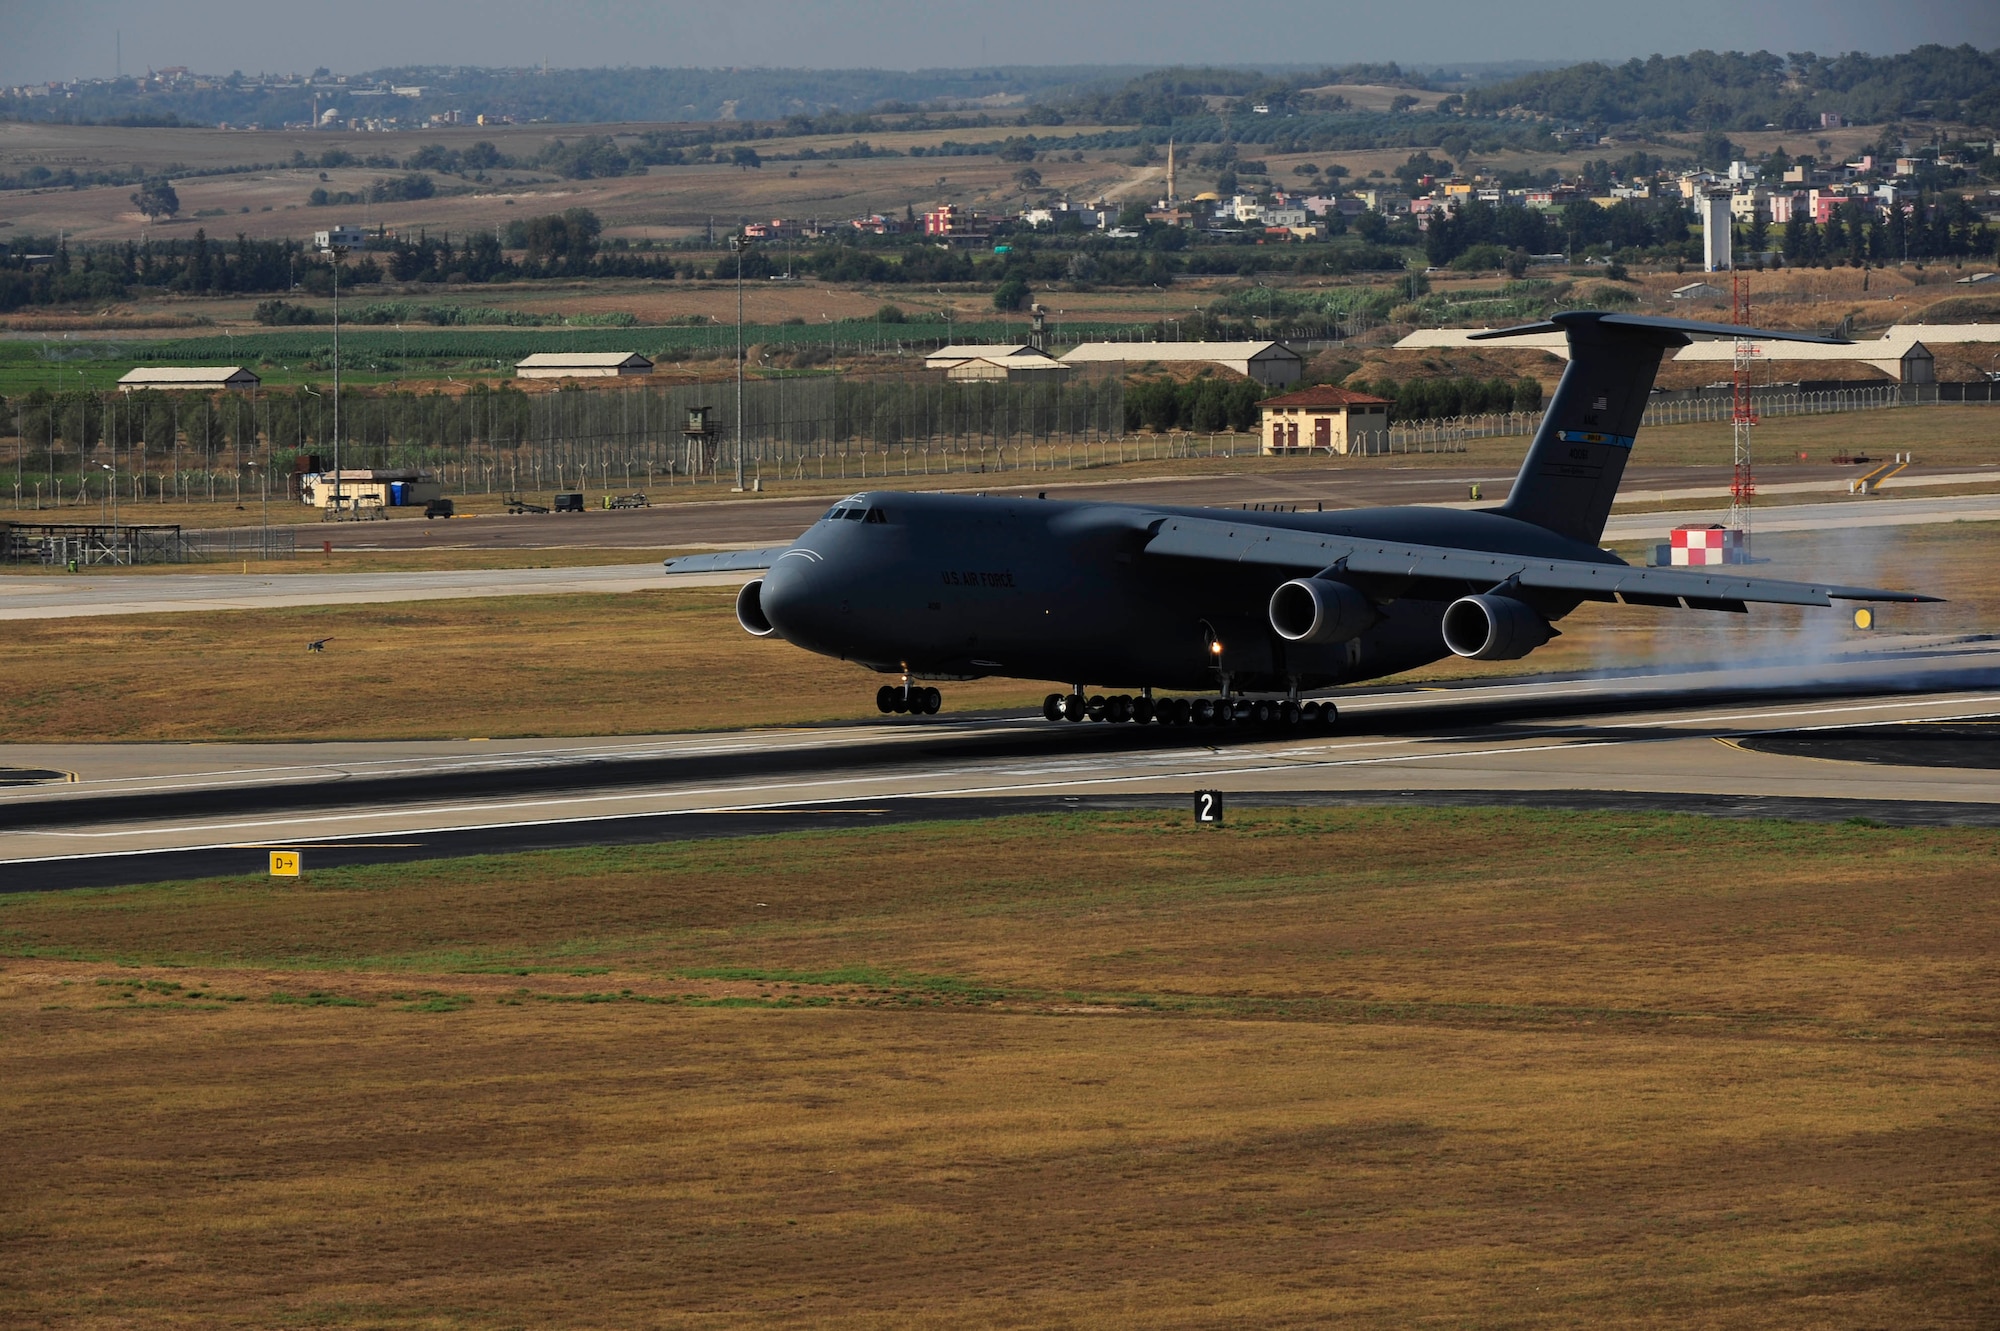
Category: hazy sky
[53,39]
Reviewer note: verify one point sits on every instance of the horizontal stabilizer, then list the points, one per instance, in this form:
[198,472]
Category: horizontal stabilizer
[727,561]
[1676,332]
[1453,572]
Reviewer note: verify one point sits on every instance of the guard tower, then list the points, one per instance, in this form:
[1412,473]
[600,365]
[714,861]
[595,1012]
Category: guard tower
[699,453]
[1717,234]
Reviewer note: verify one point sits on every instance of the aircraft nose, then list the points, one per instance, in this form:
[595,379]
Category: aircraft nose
[787,598]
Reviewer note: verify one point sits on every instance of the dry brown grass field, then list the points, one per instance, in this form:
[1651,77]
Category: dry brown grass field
[1383,1068]
[647,662]
[667,203]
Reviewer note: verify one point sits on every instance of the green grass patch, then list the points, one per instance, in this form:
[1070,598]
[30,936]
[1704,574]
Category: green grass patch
[316,998]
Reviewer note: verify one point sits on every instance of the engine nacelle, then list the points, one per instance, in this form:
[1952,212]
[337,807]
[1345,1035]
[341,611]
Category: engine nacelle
[1320,610]
[750,610]
[1493,628]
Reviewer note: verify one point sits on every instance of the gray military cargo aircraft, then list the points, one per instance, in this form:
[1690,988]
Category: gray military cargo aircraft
[1249,609]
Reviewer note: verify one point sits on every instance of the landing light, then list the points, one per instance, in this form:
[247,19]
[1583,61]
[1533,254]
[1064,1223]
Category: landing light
[1215,648]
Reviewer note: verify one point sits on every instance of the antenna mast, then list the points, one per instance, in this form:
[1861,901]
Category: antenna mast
[1742,483]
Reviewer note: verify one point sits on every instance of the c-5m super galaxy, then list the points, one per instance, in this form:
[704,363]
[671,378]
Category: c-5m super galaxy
[1250,610]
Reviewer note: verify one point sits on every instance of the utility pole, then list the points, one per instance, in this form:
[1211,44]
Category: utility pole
[1742,484]
[336,252]
[739,243]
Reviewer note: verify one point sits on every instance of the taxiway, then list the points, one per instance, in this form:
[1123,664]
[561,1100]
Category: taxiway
[1683,738]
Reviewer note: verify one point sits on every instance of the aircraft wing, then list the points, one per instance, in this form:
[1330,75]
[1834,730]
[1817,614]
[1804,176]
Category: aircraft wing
[727,561]
[1401,568]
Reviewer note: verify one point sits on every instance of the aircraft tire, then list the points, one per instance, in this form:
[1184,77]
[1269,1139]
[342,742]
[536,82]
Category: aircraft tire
[885,698]
[1329,716]
[1244,710]
[1309,713]
[1202,711]
[1095,707]
[1074,708]
[1119,709]
[933,701]
[1288,713]
[1261,713]
[1142,711]
[1052,707]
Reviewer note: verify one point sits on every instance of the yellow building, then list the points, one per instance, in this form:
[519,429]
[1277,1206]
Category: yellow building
[1325,420]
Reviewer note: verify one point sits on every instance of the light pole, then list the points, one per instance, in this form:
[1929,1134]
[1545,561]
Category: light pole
[308,390]
[264,479]
[117,542]
[336,252]
[739,243]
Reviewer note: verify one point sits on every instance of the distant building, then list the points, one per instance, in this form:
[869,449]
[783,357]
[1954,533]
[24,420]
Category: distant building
[954,225]
[1266,362]
[387,487]
[1325,420]
[1054,214]
[189,379]
[1745,204]
[582,365]
[1698,291]
[1013,369]
[343,237]
[949,358]
[1787,205]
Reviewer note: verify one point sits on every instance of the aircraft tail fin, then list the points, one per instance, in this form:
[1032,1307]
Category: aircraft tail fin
[1571,474]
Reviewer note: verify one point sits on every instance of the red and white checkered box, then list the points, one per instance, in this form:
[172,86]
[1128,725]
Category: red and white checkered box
[1706,545]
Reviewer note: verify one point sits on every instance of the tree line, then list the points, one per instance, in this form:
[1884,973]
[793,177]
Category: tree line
[1445,398]
[1206,404]
[1734,90]
[1935,226]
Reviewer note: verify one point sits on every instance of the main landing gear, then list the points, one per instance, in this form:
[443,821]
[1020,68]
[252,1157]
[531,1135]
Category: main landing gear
[1191,711]
[915,699]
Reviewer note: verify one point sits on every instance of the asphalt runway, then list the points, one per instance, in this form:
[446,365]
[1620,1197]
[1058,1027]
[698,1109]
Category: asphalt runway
[1688,739]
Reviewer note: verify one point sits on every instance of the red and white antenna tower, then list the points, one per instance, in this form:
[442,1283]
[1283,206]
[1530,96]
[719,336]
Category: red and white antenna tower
[1742,483]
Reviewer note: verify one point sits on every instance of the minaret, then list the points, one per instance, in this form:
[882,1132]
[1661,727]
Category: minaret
[1172,194]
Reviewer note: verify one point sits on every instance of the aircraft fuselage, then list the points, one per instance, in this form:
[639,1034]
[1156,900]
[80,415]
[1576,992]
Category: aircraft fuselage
[960,586]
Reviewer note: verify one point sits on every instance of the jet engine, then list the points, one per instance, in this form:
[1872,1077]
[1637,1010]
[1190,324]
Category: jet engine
[1493,628]
[1320,610]
[750,610]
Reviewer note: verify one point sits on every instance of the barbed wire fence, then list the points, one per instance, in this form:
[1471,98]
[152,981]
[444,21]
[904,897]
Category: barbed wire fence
[191,446]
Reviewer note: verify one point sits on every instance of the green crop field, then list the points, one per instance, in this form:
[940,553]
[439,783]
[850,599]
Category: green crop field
[374,353]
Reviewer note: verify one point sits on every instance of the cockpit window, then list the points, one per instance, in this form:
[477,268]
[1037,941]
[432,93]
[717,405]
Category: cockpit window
[833,514]
[854,514]
[875,515]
